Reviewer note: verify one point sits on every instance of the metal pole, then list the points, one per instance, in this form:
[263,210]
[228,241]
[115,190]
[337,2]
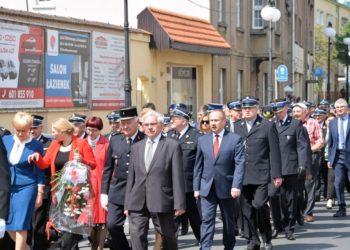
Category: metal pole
[347,76]
[269,83]
[127,86]
[27,5]
[329,71]
[293,45]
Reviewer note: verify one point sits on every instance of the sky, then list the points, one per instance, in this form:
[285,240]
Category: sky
[112,11]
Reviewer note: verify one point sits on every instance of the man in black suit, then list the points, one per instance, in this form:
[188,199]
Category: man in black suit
[78,121]
[114,124]
[187,136]
[41,213]
[263,165]
[156,186]
[295,156]
[115,176]
[4,188]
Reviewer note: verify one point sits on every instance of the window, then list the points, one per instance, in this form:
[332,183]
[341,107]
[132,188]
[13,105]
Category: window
[329,18]
[257,21]
[238,14]
[220,9]
[344,20]
[239,83]
[222,85]
[320,17]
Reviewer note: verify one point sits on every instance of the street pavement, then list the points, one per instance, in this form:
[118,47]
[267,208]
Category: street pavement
[326,232]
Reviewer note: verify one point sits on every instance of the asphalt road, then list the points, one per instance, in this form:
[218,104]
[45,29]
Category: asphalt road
[325,232]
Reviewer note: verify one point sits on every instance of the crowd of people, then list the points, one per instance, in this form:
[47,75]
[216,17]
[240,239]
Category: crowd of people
[264,167]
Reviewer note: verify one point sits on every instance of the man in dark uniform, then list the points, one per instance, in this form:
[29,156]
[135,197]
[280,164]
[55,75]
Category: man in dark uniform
[188,138]
[78,121]
[114,123]
[295,154]
[41,214]
[263,164]
[115,176]
[235,110]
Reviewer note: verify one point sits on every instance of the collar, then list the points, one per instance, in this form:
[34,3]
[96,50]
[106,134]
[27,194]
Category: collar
[182,132]
[155,140]
[221,134]
[24,142]
[133,136]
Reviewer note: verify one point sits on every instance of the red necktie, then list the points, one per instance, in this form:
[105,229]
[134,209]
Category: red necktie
[216,146]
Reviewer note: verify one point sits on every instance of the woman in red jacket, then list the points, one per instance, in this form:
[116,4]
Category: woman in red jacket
[65,148]
[99,145]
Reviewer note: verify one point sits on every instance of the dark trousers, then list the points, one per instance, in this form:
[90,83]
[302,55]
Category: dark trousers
[7,243]
[192,214]
[322,180]
[256,213]
[209,205]
[301,198]
[163,223]
[310,185]
[330,184]
[70,241]
[115,225]
[341,173]
[284,204]
[39,220]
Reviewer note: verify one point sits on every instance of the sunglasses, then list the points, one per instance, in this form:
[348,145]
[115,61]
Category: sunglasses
[205,122]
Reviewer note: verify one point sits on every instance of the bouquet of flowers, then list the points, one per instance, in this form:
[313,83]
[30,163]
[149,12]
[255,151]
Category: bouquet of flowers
[72,211]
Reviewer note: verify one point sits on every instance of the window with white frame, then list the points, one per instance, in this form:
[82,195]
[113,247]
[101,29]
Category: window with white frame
[257,21]
[329,19]
[320,17]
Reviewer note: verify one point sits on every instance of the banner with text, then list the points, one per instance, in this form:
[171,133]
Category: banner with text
[66,69]
[108,71]
[21,62]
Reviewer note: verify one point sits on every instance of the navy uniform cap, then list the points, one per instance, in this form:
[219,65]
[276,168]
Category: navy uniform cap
[113,116]
[77,118]
[37,120]
[178,105]
[250,102]
[215,106]
[307,103]
[279,104]
[180,112]
[319,111]
[235,104]
[128,113]
[324,102]
[166,119]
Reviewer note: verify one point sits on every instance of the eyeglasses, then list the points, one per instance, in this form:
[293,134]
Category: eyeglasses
[92,130]
[341,107]
[205,122]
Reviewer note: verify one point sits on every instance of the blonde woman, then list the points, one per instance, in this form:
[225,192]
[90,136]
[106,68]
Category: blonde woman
[26,179]
[60,151]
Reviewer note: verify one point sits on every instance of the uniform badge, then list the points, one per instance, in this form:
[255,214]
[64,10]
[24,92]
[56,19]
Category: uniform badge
[187,136]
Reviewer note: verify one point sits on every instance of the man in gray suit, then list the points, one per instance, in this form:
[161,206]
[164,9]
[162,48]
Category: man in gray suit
[218,178]
[155,186]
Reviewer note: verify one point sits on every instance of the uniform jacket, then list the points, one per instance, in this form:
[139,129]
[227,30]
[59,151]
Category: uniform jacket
[225,172]
[4,182]
[334,139]
[24,173]
[263,157]
[162,188]
[294,146]
[115,172]
[188,142]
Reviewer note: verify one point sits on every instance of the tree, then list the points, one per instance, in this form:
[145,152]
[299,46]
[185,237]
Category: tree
[342,49]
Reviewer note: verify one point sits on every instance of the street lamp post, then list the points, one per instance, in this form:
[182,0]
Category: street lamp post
[330,33]
[346,41]
[127,84]
[271,14]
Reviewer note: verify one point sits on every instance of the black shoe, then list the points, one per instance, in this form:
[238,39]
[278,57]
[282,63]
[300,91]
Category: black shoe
[275,233]
[253,247]
[300,220]
[340,213]
[268,246]
[290,236]
[184,230]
